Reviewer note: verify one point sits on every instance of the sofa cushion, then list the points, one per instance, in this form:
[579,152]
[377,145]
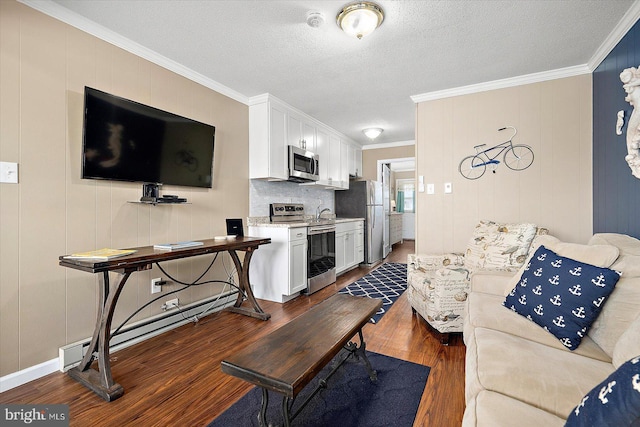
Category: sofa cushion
[489,409]
[491,282]
[622,307]
[486,311]
[614,402]
[562,295]
[629,247]
[547,378]
[496,246]
[628,345]
[600,255]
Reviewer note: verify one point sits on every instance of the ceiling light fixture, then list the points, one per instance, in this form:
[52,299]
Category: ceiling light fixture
[372,133]
[360,19]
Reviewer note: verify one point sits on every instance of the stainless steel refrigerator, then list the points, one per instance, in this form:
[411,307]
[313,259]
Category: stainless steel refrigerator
[363,199]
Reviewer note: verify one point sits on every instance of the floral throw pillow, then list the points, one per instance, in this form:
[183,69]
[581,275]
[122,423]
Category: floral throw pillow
[496,246]
[562,295]
[615,402]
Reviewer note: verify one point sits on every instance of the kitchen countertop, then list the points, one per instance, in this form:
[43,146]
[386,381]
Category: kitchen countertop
[265,222]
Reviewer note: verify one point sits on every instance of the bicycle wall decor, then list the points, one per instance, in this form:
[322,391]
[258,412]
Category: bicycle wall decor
[516,157]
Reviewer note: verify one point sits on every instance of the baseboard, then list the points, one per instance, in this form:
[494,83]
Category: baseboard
[72,354]
[29,374]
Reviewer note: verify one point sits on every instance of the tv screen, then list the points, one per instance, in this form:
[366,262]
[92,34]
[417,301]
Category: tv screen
[127,141]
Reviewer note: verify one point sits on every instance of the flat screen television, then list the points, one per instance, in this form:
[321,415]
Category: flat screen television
[127,141]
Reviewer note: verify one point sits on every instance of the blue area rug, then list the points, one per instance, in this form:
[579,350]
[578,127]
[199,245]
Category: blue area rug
[386,282]
[349,400]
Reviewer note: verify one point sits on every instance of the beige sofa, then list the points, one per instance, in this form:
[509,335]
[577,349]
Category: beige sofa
[517,373]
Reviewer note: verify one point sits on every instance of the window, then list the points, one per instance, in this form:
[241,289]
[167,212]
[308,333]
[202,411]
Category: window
[405,195]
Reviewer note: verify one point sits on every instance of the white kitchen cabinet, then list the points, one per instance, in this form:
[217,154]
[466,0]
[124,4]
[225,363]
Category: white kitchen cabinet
[297,265]
[344,165]
[349,245]
[268,140]
[340,246]
[301,132]
[323,151]
[395,228]
[335,171]
[274,125]
[278,271]
[354,160]
[359,243]
[351,159]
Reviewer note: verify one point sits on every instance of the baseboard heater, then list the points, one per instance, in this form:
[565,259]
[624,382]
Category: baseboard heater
[71,355]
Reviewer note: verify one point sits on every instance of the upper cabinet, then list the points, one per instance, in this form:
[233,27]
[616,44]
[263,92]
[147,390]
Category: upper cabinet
[354,160]
[268,140]
[274,125]
[301,132]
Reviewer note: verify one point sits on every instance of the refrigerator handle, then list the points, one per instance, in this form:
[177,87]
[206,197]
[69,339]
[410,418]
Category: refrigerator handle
[373,223]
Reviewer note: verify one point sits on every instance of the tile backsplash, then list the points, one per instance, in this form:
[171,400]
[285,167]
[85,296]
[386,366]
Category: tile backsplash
[261,193]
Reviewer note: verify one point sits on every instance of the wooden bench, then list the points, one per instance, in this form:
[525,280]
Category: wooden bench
[287,359]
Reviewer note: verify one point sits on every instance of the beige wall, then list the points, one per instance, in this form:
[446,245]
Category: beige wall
[44,66]
[553,117]
[370,158]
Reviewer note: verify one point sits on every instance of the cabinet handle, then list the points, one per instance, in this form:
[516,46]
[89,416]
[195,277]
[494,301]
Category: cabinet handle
[299,235]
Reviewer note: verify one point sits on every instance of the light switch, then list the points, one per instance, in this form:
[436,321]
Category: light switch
[431,189]
[420,188]
[9,172]
[447,187]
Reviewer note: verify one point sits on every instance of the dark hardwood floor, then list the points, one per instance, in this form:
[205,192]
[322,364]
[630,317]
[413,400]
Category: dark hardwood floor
[175,379]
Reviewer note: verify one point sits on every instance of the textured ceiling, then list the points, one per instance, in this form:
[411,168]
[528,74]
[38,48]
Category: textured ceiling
[255,47]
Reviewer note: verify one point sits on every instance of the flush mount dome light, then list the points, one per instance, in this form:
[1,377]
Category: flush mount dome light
[372,133]
[360,19]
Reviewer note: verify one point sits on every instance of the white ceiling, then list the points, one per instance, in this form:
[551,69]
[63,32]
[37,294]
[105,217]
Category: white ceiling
[256,47]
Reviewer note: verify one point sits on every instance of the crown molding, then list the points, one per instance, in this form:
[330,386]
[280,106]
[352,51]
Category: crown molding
[503,83]
[627,21]
[388,145]
[624,25]
[60,13]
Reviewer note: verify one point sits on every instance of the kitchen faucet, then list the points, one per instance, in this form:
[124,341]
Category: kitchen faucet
[320,212]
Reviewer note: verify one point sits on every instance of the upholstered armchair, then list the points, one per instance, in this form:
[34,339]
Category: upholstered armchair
[438,284]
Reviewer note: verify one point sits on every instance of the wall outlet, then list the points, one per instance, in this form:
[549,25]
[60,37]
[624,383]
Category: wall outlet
[155,286]
[172,303]
[447,188]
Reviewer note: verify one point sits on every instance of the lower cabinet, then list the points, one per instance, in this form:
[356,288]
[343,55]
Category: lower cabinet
[278,271]
[395,228]
[349,245]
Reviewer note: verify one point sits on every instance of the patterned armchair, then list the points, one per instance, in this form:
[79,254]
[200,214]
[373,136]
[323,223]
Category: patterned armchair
[438,284]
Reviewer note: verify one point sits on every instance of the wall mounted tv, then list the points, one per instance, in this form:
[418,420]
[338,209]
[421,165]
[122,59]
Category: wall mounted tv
[127,141]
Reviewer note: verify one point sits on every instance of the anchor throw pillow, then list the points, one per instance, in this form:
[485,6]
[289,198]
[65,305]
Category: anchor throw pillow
[615,402]
[562,295]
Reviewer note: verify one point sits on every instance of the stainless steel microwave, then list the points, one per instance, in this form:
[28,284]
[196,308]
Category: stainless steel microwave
[303,165]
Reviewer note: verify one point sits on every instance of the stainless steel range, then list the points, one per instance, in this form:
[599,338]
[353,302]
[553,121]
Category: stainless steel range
[321,244]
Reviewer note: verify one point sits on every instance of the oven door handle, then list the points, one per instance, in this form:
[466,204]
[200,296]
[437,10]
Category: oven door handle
[321,230]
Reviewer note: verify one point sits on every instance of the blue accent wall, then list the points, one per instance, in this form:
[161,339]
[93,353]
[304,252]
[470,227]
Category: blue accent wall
[616,193]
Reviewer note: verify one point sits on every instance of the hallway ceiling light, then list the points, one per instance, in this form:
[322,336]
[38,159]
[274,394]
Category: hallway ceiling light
[372,133]
[360,19]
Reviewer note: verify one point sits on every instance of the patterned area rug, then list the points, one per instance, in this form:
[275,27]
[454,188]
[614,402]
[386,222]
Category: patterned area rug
[349,400]
[386,282]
